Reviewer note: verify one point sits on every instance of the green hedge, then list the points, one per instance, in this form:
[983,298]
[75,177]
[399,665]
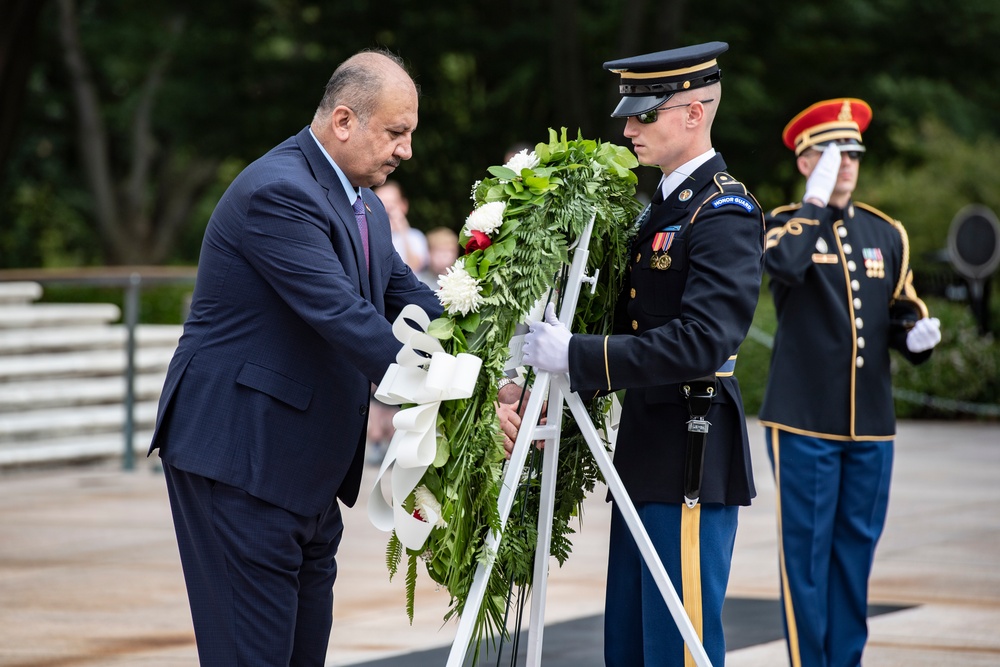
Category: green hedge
[961,380]
[965,368]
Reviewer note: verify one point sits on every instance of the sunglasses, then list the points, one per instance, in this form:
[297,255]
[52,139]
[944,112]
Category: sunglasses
[650,116]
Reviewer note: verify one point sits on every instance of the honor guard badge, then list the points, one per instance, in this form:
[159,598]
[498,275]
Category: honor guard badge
[661,244]
[733,200]
[874,264]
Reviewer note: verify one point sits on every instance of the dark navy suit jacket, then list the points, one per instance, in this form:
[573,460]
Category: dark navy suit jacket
[268,389]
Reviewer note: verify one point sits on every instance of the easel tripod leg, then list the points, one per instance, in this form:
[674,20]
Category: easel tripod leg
[631,517]
[546,514]
[511,480]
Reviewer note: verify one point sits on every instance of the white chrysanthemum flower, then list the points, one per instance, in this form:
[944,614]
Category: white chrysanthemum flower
[428,506]
[458,291]
[487,218]
[524,159]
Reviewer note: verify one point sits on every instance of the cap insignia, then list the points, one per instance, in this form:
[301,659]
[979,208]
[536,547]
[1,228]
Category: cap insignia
[845,111]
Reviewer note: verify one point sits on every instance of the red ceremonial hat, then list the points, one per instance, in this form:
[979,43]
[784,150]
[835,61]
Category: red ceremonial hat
[842,120]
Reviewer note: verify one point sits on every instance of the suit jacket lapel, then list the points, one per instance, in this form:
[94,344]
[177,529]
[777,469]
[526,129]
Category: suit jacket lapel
[378,237]
[343,212]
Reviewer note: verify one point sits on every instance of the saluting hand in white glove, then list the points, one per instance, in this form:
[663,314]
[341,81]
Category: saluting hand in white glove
[924,335]
[819,185]
[546,347]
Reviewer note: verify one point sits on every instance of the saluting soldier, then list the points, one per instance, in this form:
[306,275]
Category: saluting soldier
[696,267]
[842,287]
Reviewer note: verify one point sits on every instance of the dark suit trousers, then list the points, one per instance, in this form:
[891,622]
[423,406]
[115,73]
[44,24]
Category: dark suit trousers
[259,578]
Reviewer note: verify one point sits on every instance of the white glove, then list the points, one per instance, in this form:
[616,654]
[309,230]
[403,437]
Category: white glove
[820,183]
[546,346]
[924,335]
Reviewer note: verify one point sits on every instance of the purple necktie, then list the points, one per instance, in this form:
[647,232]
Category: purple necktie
[359,215]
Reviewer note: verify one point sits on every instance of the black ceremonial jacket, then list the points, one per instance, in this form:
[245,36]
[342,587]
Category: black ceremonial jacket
[843,294]
[677,323]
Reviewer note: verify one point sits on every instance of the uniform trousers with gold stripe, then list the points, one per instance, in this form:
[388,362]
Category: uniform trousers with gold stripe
[832,497]
[696,547]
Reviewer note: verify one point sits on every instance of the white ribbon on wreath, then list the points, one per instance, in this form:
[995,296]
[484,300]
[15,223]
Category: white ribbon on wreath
[423,375]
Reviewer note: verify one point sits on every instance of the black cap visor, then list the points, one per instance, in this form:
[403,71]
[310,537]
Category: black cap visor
[633,105]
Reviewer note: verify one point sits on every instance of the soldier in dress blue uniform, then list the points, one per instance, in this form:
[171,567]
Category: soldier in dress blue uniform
[842,286]
[696,267]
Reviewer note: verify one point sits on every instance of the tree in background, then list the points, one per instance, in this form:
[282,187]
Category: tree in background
[138,114]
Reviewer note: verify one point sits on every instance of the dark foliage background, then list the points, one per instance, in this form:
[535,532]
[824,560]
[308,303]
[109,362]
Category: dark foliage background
[122,122]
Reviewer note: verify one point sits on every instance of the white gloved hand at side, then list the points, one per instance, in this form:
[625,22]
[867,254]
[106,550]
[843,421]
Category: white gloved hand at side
[823,178]
[546,346]
[924,335]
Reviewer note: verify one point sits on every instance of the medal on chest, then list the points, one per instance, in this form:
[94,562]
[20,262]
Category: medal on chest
[874,264]
[660,260]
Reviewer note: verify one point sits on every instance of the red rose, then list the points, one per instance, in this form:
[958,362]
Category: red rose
[479,241]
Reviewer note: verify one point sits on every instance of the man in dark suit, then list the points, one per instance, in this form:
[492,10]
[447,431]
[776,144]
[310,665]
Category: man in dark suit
[261,423]
[685,310]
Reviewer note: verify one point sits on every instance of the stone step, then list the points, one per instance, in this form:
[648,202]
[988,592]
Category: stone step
[81,364]
[73,448]
[57,339]
[19,292]
[37,394]
[31,425]
[57,315]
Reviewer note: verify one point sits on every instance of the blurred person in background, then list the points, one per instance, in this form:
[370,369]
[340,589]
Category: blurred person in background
[442,250]
[410,242]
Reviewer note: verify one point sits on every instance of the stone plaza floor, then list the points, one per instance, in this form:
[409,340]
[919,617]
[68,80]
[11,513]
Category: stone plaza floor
[90,576]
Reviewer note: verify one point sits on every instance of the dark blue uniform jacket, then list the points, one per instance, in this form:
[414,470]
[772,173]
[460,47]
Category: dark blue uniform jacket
[681,322]
[843,294]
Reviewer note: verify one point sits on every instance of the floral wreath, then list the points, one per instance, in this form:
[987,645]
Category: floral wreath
[518,238]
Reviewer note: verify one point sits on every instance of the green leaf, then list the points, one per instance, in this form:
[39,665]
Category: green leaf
[411,585]
[504,173]
[471,262]
[442,328]
[539,182]
[469,322]
[443,451]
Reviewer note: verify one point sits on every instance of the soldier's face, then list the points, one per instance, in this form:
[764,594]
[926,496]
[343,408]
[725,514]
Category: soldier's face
[655,144]
[666,142]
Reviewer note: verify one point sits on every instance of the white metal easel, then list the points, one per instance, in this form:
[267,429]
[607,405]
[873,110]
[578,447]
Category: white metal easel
[557,387]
